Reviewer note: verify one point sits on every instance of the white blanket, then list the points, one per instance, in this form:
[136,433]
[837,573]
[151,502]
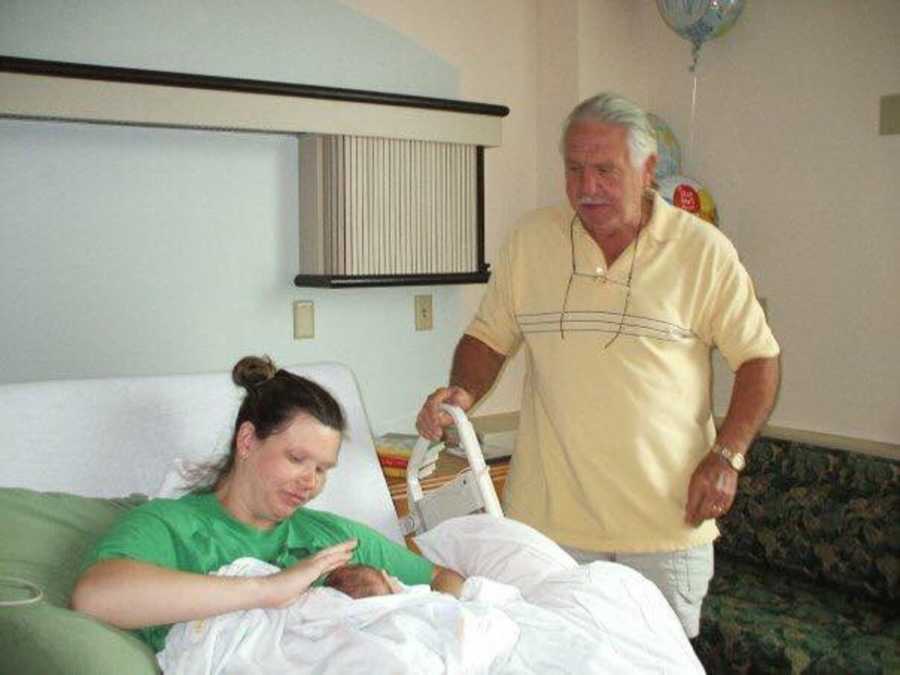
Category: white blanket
[599,618]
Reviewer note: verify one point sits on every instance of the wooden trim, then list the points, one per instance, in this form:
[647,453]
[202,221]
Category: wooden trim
[84,71]
[77,92]
[833,441]
[358,281]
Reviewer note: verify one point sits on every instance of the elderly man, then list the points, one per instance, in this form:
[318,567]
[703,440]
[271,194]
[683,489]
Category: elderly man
[618,299]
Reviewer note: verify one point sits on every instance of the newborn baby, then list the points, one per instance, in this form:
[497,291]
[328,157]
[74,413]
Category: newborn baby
[361,581]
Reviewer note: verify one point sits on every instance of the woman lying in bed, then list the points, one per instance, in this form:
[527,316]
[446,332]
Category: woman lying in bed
[152,569]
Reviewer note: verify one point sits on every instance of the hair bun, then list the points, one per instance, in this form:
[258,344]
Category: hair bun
[252,371]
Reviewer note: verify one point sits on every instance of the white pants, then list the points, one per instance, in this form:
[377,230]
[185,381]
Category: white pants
[682,576]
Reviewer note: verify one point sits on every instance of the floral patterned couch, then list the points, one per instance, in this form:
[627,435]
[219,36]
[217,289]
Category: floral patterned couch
[808,566]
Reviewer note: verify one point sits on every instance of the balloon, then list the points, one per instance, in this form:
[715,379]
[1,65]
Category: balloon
[689,195]
[699,20]
[668,149]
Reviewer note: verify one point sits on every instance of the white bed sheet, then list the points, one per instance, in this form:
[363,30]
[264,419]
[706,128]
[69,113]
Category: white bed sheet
[599,618]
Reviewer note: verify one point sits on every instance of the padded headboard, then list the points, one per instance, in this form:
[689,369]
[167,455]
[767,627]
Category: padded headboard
[110,437]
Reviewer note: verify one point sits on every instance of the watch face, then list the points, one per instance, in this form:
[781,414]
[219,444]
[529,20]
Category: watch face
[737,461]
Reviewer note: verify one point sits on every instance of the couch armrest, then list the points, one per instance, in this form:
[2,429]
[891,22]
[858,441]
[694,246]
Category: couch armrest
[43,538]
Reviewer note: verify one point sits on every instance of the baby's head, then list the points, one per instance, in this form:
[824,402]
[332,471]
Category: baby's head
[359,581]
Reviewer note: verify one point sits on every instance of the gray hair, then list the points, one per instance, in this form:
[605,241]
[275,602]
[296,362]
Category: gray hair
[611,108]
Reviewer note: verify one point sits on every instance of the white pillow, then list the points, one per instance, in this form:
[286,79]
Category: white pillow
[178,479]
[501,549]
[173,485]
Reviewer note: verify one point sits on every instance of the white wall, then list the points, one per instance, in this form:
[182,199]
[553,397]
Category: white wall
[558,59]
[493,46]
[134,251]
[786,138]
[319,42]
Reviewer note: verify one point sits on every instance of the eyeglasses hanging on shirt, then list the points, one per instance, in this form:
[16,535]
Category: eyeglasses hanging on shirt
[599,275]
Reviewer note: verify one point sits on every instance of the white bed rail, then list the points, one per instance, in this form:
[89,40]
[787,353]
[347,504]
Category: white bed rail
[469,492]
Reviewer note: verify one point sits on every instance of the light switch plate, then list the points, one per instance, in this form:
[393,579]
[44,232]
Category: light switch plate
[424,315]
[304,320]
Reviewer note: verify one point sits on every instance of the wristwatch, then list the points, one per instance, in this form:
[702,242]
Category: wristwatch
[733,457]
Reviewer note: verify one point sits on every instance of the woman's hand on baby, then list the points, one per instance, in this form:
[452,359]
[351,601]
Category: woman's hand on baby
[284,587]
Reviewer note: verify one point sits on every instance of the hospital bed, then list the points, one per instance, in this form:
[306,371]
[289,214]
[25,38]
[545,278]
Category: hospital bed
[72,451]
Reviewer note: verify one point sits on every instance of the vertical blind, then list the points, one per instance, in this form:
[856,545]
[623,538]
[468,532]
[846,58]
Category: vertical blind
[385,206]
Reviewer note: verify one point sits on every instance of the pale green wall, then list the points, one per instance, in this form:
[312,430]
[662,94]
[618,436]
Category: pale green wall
[318,42]
[129,251]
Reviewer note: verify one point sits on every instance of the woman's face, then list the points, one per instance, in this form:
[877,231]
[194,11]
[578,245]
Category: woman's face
[277,475]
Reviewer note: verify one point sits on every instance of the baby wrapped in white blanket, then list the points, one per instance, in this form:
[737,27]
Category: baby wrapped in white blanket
[326,631]
[600,618]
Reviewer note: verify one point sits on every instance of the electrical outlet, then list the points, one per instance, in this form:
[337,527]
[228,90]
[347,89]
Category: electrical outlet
[424,316]
[304,320]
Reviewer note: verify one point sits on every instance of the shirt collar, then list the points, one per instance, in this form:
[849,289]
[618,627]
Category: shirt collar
[662,227]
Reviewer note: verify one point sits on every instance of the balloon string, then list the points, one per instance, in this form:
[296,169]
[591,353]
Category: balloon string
[695,54]
[693,116]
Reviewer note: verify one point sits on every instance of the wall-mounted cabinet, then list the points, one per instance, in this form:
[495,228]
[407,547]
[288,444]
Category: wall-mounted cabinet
[392,186]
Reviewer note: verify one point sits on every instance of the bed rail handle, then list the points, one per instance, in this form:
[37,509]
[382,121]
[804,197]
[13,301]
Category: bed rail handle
[469,441]
[472,490]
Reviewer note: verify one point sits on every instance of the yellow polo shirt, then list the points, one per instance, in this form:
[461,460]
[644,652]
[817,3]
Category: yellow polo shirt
[608,438]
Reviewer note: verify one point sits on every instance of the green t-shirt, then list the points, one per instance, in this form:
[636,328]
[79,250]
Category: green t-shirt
[196,534]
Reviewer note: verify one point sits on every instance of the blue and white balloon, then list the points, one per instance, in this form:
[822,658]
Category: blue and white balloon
[699,20]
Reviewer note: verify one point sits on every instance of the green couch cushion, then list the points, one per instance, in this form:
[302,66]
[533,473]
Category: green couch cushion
[43,538]
[760,620]
[45,535]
